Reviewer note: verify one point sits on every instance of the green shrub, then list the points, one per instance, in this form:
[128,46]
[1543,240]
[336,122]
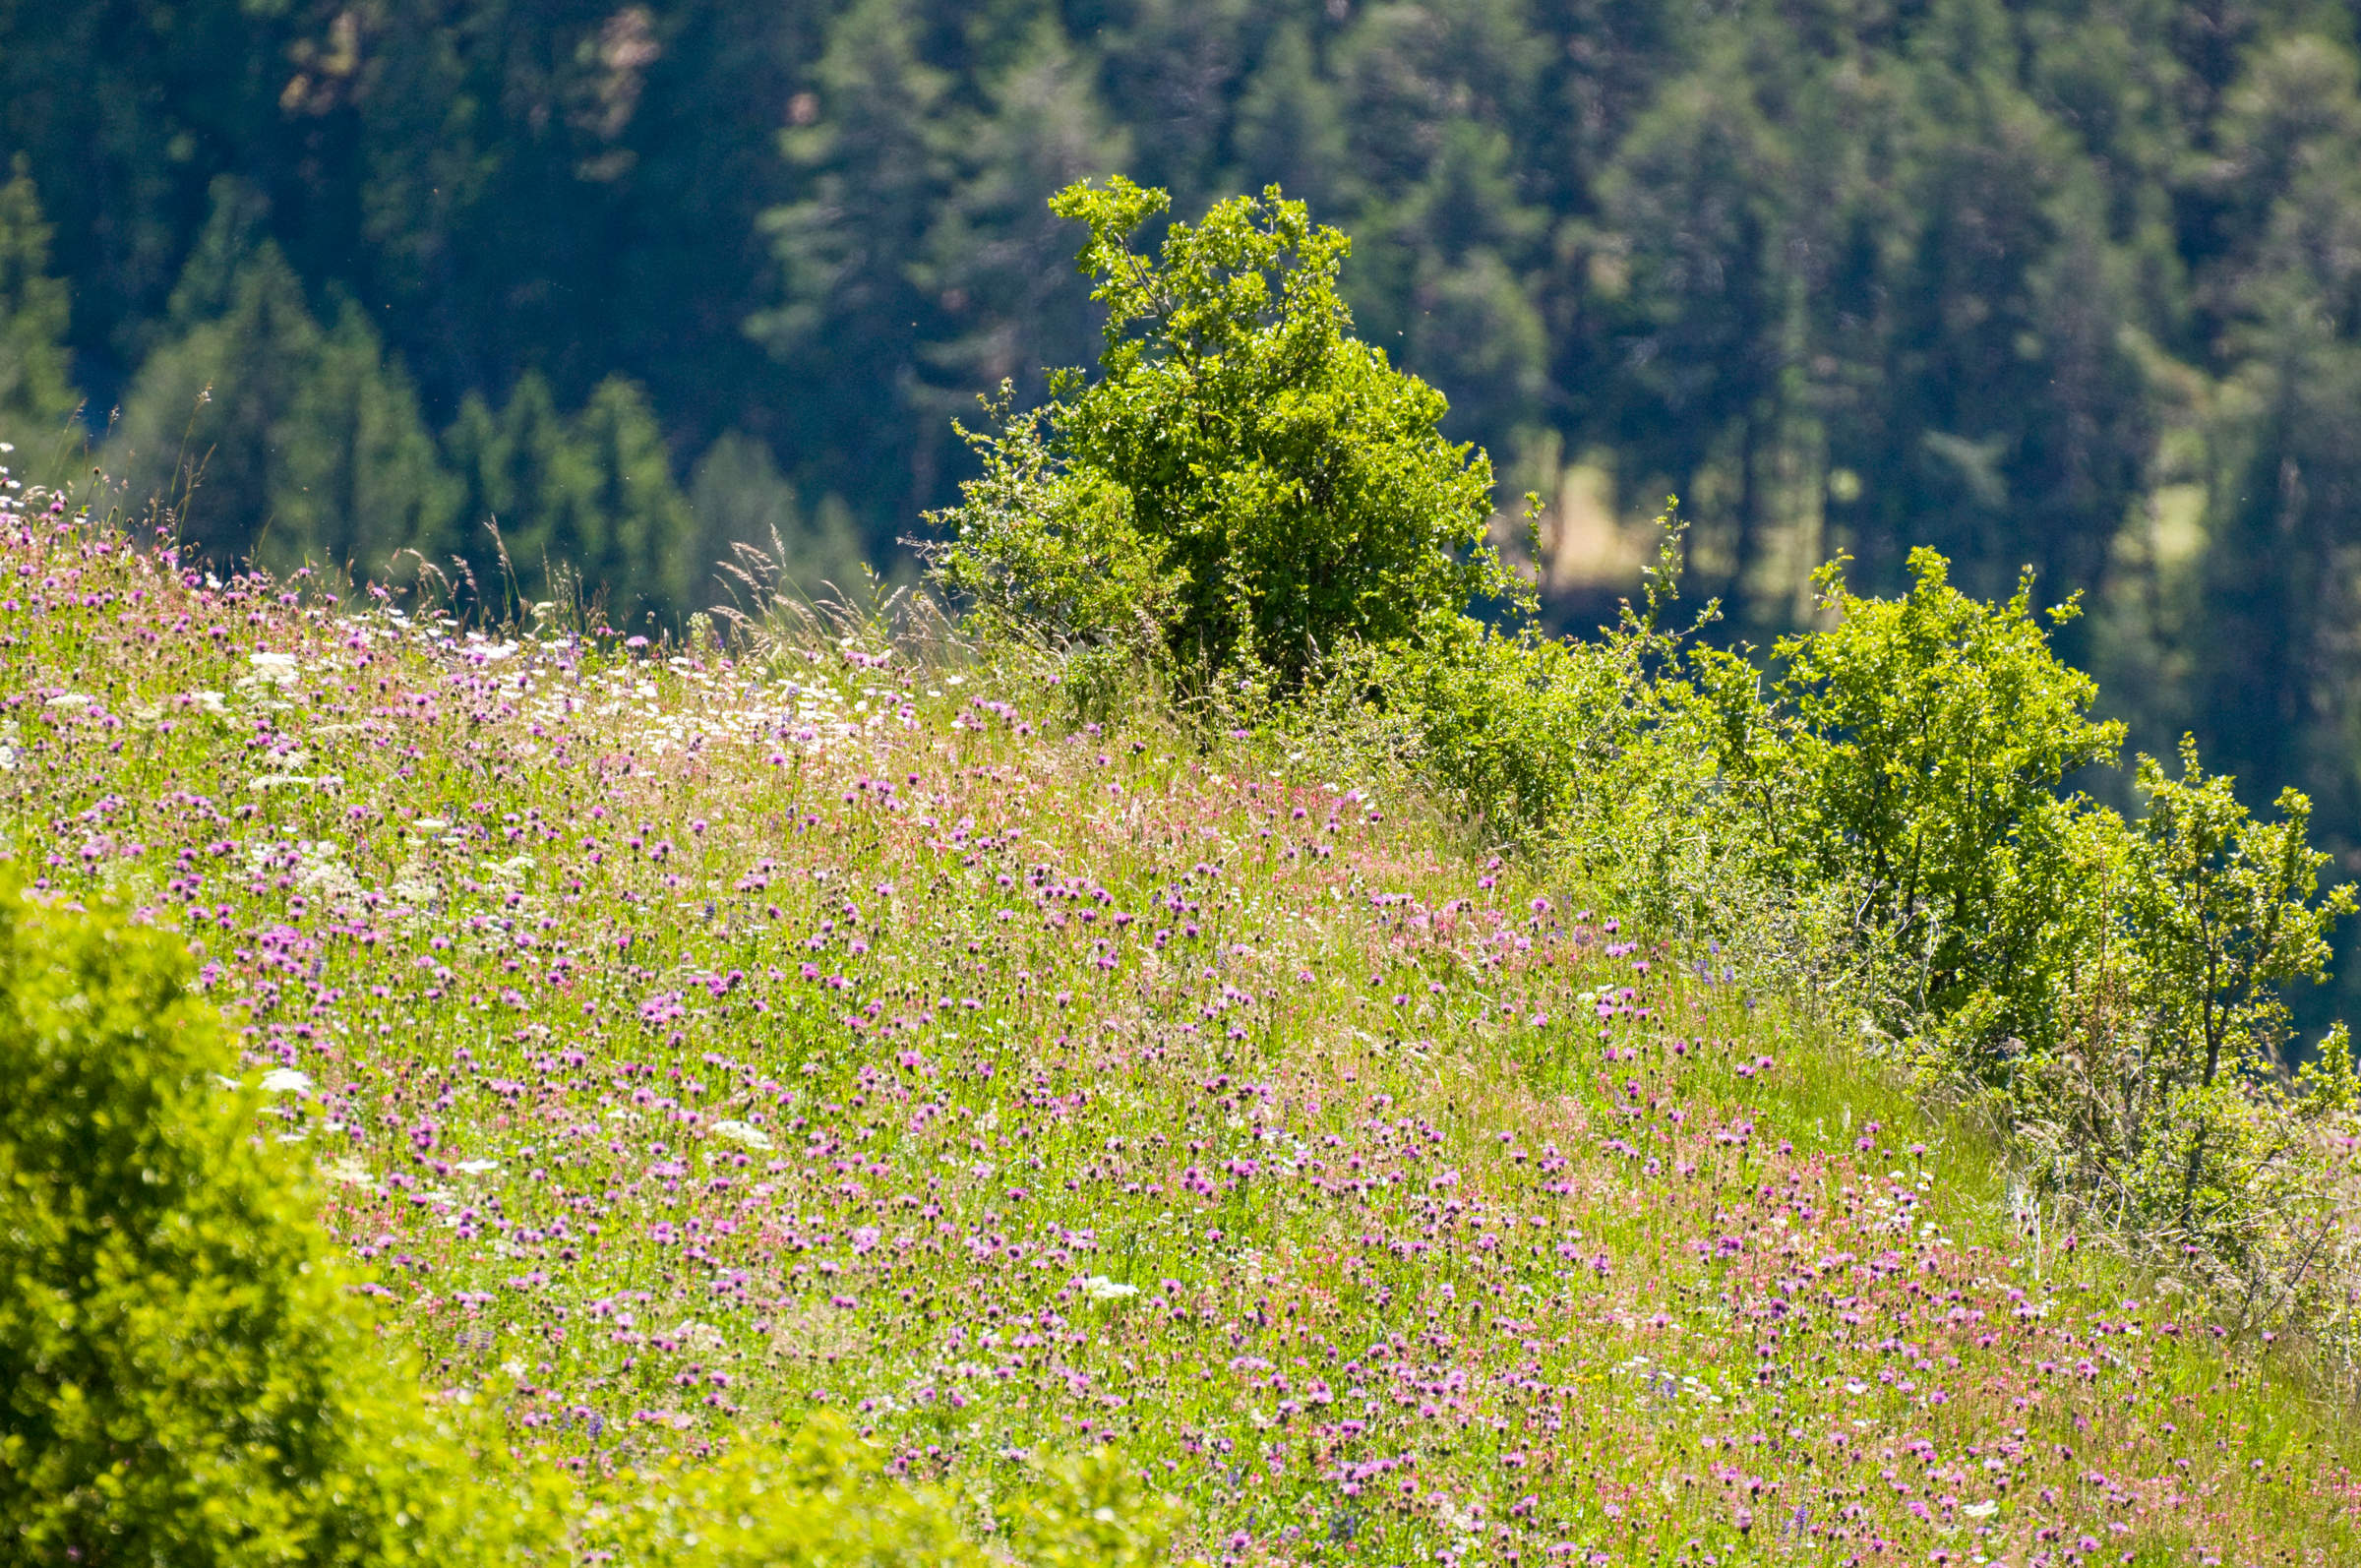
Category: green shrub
[1518,728]
[1244,484]
[753,1506]
[819,1503]
[1086,1511]
[2226,910]
[1042,548]
[183,1376]
[2114,985]
[1914,749]
[2170,1104]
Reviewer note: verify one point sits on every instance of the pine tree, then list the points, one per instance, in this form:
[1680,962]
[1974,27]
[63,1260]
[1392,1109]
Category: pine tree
[1287,130]
[267,436]
[518,474]
[995,258]
[591,498]
[872,142]
[634,534]
[1698,201]
[37,393]
[737,497]
[201,423]
[357,475]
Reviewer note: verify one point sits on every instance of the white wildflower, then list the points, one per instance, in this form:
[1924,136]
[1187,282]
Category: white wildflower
[745,1132]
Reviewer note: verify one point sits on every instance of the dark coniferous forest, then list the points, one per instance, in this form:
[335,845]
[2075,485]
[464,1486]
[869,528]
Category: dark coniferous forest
[2072,286]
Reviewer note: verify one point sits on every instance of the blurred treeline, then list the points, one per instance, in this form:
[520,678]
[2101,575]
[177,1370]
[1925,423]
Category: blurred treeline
[2072,284]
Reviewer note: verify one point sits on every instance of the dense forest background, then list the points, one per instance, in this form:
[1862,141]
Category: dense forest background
[2073,284]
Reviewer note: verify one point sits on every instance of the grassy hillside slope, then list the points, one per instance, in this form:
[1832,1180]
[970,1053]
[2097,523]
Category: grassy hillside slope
[688,1045]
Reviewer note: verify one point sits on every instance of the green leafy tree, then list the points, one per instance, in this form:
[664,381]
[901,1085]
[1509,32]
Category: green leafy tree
[2167,1106]
[1472,325]
[183,1376]
[1913,750]
[1272,487]
[517,463]
[1174,68]
[2273,636]
[2017,415]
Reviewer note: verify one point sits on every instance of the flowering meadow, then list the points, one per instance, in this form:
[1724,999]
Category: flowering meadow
[691,1041]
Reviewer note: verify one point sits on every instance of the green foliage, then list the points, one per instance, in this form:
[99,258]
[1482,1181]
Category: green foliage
[871,143]
[1042,548]
[817,1500]
[36,392]
[200,422]
[629,529]
[2116,987]
[811,1505]
[271,437]
[2168,1101]
[275,439]
[183,1374]
[1243,477]
[1535,737]
[1519,727]
[2226,913]
[1914,749]
[1087,1511]
[592,495]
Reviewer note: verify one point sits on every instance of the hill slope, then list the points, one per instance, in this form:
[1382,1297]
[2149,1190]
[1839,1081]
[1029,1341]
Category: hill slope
[690,1045]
